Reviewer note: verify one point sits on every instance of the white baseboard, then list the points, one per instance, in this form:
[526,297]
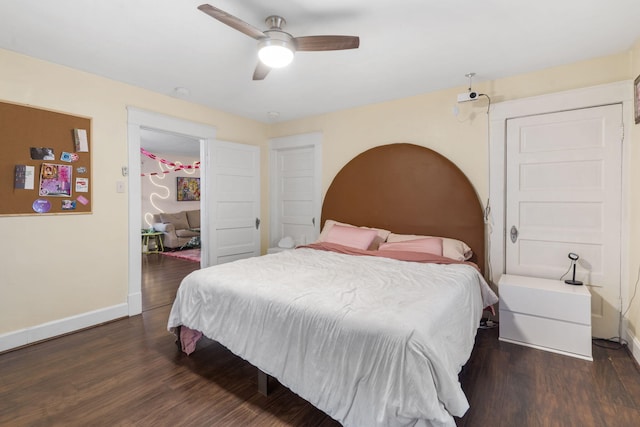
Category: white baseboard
[60,327]
[135,303]
[634,347]
[633,344]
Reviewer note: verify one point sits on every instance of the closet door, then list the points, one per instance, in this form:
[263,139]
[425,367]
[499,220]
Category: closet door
[295,170]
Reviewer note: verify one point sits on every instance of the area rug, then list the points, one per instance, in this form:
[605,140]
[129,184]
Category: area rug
[188,254]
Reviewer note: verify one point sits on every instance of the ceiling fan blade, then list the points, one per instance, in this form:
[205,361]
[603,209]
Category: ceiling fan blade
[315,43]
[261,71]
[232,21]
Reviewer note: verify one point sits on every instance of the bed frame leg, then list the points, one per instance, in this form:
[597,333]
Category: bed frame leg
[263,383]
[177,332]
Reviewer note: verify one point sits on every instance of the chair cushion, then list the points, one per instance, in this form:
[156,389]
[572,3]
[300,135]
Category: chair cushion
[179,220]
[187,233]
[194,218]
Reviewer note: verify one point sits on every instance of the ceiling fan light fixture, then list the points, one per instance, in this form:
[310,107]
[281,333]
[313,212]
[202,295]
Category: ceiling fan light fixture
[275,53]
[277,50]
[276,47]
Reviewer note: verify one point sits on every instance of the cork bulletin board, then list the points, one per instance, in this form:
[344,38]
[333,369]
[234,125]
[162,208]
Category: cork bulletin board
[45,163]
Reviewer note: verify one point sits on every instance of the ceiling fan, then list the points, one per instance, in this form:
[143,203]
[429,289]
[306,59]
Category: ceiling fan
[275,46]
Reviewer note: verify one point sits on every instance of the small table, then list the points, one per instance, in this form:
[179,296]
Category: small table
[155,235]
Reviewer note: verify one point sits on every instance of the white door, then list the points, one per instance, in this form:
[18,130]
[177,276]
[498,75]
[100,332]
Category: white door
[295,188]
[564,195]
[233,184]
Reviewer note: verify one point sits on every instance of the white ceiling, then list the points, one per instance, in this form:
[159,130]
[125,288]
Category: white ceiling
[407,47]
[158,142]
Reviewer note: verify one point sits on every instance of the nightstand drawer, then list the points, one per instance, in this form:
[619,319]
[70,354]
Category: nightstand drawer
[547,298]
[547,334]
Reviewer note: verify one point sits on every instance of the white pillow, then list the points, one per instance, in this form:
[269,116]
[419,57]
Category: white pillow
[451,248]
[428,245]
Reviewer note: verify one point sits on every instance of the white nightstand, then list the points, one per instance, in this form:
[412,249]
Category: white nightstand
[545,314]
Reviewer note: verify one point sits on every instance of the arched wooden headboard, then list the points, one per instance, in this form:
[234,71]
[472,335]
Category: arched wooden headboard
[408,189]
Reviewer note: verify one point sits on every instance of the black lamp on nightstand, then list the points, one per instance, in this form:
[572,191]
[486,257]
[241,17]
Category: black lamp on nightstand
[573,257]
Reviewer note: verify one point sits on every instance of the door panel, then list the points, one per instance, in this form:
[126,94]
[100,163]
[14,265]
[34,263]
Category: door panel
[235,204]
[295,179]
[564,195]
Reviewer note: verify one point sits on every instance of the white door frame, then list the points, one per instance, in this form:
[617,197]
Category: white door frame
[613,93]
[141,119]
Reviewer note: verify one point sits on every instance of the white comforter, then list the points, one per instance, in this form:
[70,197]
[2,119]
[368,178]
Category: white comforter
[371,341]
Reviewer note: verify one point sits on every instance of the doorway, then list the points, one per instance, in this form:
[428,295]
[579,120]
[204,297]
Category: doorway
[499,236]
[296,195]
[167,160]
[564,197]
[138,122]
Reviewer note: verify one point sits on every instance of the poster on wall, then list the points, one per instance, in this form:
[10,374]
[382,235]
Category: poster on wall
[188,189]
[55,180]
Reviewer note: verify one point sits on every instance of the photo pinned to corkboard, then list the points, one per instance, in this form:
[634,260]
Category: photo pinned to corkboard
[46,163]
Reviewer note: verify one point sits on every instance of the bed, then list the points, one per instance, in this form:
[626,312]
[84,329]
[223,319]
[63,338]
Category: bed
[363,333]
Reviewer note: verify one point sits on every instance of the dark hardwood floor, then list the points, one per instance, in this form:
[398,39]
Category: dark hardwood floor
[161,276]
[510,385]
[130,373]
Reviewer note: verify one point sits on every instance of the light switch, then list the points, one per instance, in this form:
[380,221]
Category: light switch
[119,186]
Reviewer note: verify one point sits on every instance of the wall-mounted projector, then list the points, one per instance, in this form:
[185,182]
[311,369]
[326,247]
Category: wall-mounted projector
[468,96]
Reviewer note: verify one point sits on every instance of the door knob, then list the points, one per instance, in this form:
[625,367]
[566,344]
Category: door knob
[514,234]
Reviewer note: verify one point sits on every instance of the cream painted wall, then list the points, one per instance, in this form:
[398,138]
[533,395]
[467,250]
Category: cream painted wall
[428,120]
[54,267]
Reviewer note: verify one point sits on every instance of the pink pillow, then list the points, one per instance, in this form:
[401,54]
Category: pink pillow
[353,237]
[431,245]
[328,225]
